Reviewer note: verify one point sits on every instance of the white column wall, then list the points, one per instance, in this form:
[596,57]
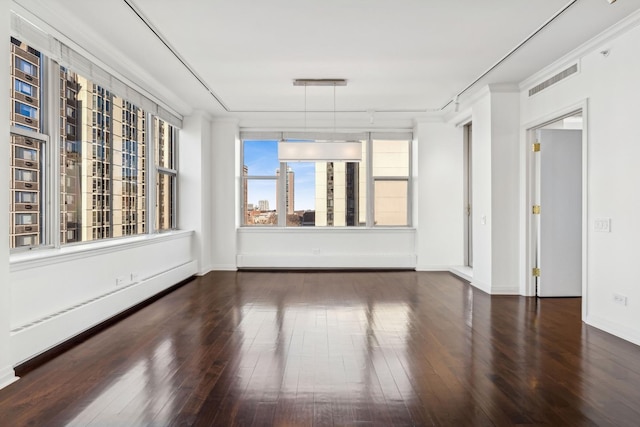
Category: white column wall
[481,193]
[505,187]
[6,370]
[226,175]
[495,180]
[440,198]
[195,186]
[610,85]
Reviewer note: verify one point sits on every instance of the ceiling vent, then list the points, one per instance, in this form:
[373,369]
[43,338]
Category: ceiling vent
[553,80]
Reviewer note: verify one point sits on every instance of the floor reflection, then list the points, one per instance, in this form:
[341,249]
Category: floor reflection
[338,348]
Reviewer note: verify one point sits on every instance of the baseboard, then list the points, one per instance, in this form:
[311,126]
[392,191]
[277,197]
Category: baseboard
[224,267]
[482,286]
[38,337]
[433,267]
[7,376]
[339,261]
[505,291]
[613,328]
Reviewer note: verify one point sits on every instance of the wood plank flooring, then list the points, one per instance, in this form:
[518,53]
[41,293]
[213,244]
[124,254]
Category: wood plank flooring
[337,348]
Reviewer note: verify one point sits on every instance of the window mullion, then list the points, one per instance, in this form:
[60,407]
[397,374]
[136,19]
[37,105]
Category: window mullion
[51,174]
[370,194]
[152,163]
[281,201]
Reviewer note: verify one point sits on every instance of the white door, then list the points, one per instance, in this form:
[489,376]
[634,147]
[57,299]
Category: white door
[560,223]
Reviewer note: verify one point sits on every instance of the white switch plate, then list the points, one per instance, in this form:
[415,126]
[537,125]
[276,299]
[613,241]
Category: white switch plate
[619,299]
[602,225]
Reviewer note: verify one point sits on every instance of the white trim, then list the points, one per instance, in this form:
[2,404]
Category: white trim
[43,257]
[619,330]
[7,376]
[527,286]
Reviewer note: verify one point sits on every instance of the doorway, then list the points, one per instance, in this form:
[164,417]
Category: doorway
[468,196]
[557,207]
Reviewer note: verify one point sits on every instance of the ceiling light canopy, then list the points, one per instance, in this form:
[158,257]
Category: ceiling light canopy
[320,82]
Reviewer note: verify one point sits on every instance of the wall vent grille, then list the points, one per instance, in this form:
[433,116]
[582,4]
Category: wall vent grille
[553,80]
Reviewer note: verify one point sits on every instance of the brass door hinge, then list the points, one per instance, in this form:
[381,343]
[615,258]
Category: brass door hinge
[535,272]
[536,209]
[535,147]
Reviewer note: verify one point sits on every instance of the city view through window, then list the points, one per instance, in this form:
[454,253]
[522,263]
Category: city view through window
[326,193]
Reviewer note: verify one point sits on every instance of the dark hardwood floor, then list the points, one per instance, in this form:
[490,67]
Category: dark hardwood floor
[337,348]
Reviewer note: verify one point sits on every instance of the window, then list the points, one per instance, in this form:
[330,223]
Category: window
[26,110]
[101,185]
[165,137]
[327,194]
[24,88]
[26,67]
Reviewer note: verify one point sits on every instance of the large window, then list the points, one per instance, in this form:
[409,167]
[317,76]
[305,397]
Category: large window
[102,180]
[372,192]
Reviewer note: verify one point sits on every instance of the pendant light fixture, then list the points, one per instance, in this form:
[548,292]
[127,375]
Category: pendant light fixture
[327,151]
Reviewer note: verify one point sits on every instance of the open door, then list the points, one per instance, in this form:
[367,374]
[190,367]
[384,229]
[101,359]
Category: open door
[559,248]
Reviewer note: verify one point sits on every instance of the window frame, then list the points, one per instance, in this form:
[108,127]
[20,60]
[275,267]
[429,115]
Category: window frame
[401,136]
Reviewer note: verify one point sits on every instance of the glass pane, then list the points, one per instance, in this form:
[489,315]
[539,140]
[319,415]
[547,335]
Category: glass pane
[260,157]
[260,202]
[102,162]
[390,202]
[25,185]
[390,158]
[340,194]
[164,202]
[164,144]
[25,105]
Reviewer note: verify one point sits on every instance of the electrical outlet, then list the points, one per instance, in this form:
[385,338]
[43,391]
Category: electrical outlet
[619,299]
[120,281]
[602,225]
[316,251]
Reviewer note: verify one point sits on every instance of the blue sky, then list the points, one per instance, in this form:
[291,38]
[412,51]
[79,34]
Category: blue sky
[261,157]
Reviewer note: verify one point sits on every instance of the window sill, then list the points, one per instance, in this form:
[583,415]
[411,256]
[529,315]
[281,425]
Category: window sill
[268,229]
[47,256]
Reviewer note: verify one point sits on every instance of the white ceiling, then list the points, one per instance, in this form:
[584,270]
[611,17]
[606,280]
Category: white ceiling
[402,58]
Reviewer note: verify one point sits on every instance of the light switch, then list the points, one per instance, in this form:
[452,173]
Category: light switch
[602,225]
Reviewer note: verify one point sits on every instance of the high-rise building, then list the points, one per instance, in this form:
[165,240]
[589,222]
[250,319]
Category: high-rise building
[289,191]
[337,194]
[263,205]
[102,157]
[26,152]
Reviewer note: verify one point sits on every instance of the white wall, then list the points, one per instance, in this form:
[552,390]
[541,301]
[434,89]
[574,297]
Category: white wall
[495,180]
[611,85]
[225,167]
[6,371]
[195,186]
[331,248]
[440,196]
[59,293]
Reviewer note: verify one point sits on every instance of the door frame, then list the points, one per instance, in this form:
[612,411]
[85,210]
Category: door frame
[528,230]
